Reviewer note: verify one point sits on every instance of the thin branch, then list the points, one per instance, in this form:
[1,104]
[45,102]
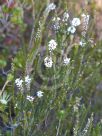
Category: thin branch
[58,129]
[4,87]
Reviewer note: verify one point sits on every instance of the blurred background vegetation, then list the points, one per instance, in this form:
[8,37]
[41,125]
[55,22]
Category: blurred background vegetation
[16,22]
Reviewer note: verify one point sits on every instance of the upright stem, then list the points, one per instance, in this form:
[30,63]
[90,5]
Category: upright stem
[58,129]
[4,87]
[32,33]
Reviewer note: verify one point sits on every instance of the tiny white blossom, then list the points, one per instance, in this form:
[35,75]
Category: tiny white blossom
[72,29]
[77,104]
[66,61]
[82,43]
[76,22]
[56,21]
[48,62]
[19,83]
[50,7]
[30,98]
[40,94]
[52,45]
[85,22]
[15,105]
[65,17]
[87,127]
[83,15]
[56,26]
[27,82]
[86,16]
[27,79]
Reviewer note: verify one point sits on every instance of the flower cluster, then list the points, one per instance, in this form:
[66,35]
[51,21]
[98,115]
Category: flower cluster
[38,33]
[85,23]
[74,23]
[27,82]
[19,83]
[48,62]
[65,17]
[77,104]
[52,45]
[50,7]
[72,29]
[56,21]
[40,94]
[66,61]
[82,43]
[87,127]
[30,98]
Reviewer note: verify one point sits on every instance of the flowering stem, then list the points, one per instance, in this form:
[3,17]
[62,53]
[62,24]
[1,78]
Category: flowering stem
[32,34]
[54,81]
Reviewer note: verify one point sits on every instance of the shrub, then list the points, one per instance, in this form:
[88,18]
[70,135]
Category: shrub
[52,81]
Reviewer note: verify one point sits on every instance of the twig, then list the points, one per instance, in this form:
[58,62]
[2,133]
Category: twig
[59,124]
[4,87]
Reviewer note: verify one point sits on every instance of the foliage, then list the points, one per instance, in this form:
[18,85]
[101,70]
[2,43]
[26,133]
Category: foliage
[57,98]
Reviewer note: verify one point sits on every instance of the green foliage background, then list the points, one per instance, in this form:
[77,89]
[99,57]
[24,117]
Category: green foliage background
[53,114]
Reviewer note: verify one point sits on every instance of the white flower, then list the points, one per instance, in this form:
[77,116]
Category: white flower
[56,21]
[56,26]
[48,62]
[66,61]
[52,45]
[82,43]
[76,22]
[15,105]
[40,94]
[65,17]
[19,83]
[27,82]
[50,7]
[86,18]
[85,21]
[72,29]
[27,79]
[87,127]
[83,15]
[30,98]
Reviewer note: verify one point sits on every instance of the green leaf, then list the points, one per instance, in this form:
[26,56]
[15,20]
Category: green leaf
[3,63]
